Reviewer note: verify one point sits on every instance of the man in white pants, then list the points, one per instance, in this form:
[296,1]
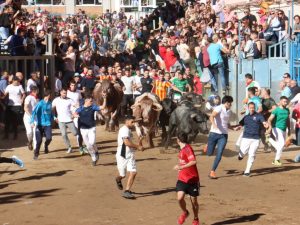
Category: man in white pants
[125,156]
[63,106]
[75,96]
[279,121]
[251,135]
[30,102]
[87,124]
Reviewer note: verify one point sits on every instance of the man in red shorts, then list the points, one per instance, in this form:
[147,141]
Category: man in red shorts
[188,179]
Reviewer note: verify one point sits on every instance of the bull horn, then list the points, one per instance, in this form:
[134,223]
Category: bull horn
[157,107]
[197,105]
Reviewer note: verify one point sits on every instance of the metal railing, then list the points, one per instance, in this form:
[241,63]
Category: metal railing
[280,50]
[28,64]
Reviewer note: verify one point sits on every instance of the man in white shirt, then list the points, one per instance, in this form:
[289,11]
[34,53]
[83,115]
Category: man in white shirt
[63,106]
[128,100]
[125,157]
[32,82]
[75,96]
[219,132]
[29,104]
[16,95]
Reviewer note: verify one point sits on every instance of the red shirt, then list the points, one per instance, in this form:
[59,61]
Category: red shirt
[187,175]
[296,113]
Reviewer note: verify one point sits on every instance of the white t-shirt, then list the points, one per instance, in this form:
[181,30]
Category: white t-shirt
[31,101]
[137,81]
[221,120]
[30,83]
[124,133]
[14,94]
[128,81]
[183,50]
[63,109]
[75,96]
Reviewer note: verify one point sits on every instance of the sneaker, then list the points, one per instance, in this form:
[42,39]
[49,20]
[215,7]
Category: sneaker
[128,195]
[81,151]
[69,150]
[246,175]
[30,147]
[17,161]
[212,175]
[46,150]
[119,184]
[35,157]
[240,158]
[85,150]
[277,163]
[94,163]
[196,222]
[183,217]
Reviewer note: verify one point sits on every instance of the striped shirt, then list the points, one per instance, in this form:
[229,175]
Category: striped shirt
[161,88]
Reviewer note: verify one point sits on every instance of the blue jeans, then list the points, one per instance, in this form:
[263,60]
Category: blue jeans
[219,140]
[297,134]
[39,132]
[220,70]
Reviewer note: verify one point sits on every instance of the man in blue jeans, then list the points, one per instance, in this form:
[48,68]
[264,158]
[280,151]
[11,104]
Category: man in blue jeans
[41,119]
[216,61]
[219,132]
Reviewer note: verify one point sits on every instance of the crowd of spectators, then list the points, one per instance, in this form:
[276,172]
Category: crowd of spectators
[182,34]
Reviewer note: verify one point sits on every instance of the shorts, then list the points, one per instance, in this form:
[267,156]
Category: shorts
[127,164]
[190,189]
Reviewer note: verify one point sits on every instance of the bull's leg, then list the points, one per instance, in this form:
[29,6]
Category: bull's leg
[164,133]
[171,131]
[151,136]
[139,134]
[107,123]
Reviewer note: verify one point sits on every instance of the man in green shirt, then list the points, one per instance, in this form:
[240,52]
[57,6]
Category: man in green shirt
[279,121]
[182,85]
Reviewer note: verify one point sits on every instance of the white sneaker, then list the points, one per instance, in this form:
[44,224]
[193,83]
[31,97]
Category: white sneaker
[69,150]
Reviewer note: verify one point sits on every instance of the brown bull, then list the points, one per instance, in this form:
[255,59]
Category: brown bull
[146,109]
[113,96]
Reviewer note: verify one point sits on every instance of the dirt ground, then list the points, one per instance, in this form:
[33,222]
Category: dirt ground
[64,189]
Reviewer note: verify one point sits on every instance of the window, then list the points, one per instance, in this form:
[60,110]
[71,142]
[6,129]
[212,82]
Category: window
[89,2]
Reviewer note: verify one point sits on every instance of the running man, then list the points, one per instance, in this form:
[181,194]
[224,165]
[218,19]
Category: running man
[250,141]
[41,120]
[125,157]
[63,106]
[279,121]
[188,179]
[87,124]
[29,104]
[75,95]
[219,132]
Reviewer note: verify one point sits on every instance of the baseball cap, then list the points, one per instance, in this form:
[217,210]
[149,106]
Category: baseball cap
[76,75]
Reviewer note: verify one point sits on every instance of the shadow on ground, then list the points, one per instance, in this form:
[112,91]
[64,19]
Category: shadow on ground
[12,197]
[241,219]
[154,193]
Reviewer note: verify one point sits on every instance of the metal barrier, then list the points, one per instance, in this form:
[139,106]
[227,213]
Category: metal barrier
[280,50]
[295,60]
[28,64]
